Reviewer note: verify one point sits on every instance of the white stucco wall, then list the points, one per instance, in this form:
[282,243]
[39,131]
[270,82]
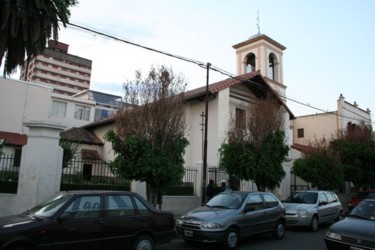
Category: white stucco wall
[20,102]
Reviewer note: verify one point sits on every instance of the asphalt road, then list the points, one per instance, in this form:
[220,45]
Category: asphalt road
[294,239]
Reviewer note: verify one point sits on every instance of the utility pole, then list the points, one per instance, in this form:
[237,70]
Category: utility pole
[204,176]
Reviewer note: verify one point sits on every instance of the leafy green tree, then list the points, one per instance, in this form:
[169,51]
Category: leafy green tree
[27,25]
[149,137]
[356,148]
[321,168]
[70,149]
[255,146]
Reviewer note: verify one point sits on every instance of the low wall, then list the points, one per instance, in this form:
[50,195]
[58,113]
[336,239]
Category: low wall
[7,204]
[181,204]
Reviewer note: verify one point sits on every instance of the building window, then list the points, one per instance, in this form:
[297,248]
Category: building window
[250,63]
[82,112]
[240,118]
[300,133]
[102,113]
[58,109]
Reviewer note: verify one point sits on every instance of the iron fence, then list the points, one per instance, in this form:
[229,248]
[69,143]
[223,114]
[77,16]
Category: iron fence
[217,175]
[187,187]
[8,174]
[91,175]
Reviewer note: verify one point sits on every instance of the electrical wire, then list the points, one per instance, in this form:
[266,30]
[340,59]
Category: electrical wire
[200,64]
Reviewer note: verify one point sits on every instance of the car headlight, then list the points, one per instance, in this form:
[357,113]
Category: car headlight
[179,222]
[302,213]
[211,225]
[333,235]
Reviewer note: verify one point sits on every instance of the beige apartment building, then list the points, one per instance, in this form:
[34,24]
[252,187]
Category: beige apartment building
[310,128]
[67,74]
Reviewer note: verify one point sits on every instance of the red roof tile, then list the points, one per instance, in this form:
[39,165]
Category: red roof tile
[14,139]
[303,148]
[81,135]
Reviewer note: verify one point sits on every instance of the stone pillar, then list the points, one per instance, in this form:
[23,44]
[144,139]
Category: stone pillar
[41,164]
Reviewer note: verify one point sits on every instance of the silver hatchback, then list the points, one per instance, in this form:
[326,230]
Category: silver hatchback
[230,216]
[311,208]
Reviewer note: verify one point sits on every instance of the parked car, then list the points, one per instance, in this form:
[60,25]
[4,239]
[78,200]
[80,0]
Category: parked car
[231,216]
[88,220]
[356,231]
[358,197]
[311,208]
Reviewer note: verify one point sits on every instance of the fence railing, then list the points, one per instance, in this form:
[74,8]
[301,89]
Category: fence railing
[91,175]
[8,174]
[217,175]
[187,187]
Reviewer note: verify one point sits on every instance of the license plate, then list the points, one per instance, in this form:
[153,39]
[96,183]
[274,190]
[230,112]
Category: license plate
[188,233]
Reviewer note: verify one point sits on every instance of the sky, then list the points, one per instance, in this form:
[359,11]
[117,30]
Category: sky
[330,44]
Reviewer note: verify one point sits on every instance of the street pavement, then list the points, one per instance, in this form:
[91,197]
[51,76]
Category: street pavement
[294,239]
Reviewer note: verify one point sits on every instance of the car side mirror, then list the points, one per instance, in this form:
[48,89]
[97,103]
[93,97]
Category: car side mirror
[249,208]
[63,217]
[323,203]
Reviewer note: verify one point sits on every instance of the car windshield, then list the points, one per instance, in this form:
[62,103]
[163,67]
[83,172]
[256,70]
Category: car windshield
[303,197]
[364,210]
[49,208]
[226,200]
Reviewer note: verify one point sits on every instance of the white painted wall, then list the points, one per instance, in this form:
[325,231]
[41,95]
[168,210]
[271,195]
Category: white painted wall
[20,102]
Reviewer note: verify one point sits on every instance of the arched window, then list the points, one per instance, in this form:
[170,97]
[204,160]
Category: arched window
[250,63]
[273,70]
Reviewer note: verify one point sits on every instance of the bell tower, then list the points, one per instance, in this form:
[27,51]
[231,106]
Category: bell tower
[262,53]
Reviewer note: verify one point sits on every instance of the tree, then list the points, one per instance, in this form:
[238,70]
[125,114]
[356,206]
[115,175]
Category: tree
[70,149]
[321,168]
[254,148]
[27,25]
[356,148]
[149,137]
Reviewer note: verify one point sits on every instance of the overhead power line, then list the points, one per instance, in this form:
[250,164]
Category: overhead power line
[199,63]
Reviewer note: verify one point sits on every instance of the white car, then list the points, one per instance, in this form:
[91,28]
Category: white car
[311,208]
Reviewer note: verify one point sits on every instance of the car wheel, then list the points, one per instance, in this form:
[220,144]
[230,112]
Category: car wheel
[143,242]
[279,230]
[314,225]
[231,239]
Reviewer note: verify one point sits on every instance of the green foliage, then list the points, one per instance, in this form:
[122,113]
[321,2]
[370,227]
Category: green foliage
[358,160]
[70,151]
[262,164]
[26,26]
[321,168]
[269,171]
[237,158]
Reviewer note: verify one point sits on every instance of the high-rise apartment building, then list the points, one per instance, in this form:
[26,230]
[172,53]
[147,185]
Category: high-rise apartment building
[67,74]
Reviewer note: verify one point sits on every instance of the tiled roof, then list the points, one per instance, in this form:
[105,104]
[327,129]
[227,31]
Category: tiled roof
[218,86]
[256,82]
[13,139]
[105,121]
[303,148]
[81,135]
[90,154]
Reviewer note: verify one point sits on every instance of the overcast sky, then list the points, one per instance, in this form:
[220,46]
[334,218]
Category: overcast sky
[330,44]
